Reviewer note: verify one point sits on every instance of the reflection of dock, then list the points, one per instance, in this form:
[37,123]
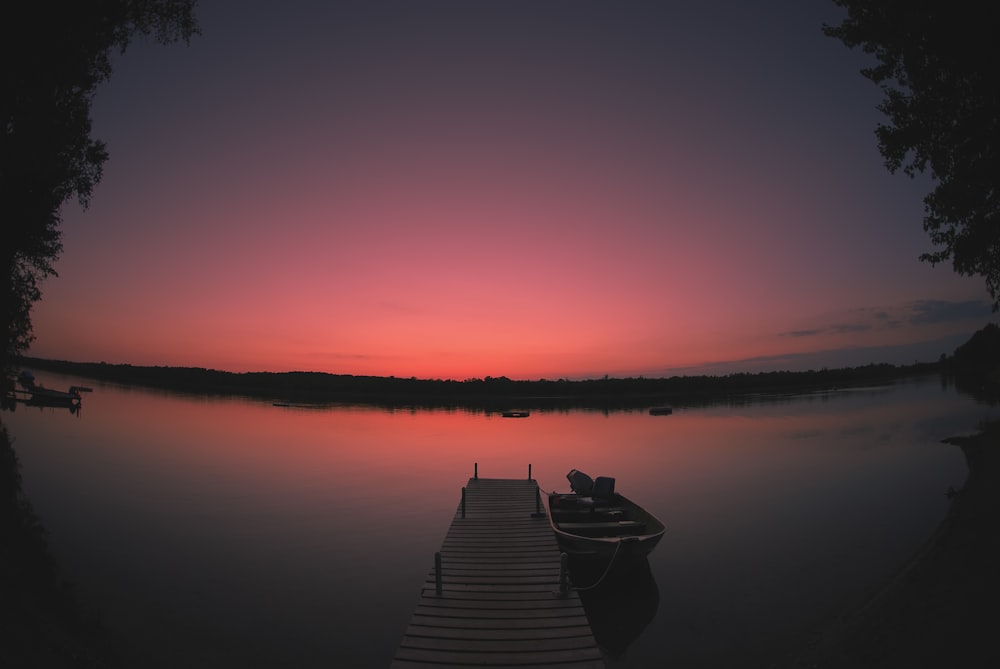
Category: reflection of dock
[496,599]
[8,399]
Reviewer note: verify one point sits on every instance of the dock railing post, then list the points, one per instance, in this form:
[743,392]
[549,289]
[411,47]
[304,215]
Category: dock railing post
[529,471]
[563,575]
[538,503]
[475,471]
[463,502]
[437,573]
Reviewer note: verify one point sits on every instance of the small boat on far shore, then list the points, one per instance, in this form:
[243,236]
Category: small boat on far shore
[515,414]
[596,524]
[660,411]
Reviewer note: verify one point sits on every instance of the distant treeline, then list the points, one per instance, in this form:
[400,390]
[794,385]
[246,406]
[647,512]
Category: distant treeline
[486,393]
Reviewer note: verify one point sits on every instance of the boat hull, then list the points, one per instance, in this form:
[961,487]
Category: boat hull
[600,532]
[58,400]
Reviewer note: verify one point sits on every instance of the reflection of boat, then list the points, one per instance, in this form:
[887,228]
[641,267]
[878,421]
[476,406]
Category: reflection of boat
[621,607]
[660,411]
[515,414]
[594,523]
[8,399]
[35,394]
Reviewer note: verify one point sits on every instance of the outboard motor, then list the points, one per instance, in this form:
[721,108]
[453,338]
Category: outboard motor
[604,487]
[580,483]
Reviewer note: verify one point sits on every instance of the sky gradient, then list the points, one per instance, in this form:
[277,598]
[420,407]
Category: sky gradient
[522,189]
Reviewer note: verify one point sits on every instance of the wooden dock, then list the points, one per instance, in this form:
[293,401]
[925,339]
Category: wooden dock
[500,603]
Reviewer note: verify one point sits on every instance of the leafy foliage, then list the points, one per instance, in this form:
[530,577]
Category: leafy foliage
[938,64]
[976,364]
[55,54]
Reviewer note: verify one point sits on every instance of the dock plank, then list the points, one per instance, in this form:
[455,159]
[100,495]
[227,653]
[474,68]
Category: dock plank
[500,604]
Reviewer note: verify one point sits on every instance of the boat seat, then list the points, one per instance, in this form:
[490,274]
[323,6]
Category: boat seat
[606,525]
[621,528]
[588,511]
[572,501]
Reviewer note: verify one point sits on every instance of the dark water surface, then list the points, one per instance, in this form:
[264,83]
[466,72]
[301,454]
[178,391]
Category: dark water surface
[233,533]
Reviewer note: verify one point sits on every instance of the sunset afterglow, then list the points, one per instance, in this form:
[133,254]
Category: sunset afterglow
[531,190]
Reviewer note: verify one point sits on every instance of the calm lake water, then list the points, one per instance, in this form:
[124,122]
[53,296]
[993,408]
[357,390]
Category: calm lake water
[233,533]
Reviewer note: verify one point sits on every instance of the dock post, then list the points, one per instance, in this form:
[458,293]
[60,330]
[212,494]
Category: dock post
[463,502]
[475,471]
[437,573]
[529,471]
[563,575]
[538,503]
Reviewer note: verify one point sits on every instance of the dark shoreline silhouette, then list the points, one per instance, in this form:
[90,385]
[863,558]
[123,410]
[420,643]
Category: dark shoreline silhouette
[939,608]
[490,393]
[42,621]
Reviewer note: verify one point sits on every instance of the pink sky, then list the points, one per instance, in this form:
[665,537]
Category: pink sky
[532,190]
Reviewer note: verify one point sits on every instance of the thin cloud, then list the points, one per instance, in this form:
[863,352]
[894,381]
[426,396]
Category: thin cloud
[851,327]
[945,311]
[916,313]
[849,356]
[802,333]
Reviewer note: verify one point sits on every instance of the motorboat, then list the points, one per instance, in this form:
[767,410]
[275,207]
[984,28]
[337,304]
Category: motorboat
[595,523]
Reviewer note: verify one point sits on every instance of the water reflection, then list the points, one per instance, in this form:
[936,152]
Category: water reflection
[228,532]
[621,604]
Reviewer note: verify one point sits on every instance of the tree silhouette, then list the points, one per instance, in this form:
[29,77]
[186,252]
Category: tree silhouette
[55,53]
[938,63]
